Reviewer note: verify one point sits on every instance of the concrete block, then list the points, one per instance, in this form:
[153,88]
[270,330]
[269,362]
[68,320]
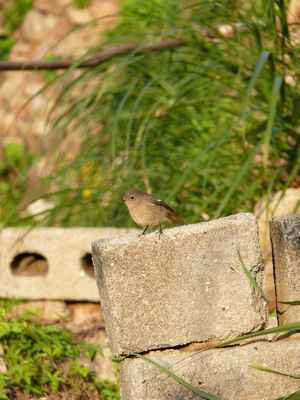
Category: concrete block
[281,203]
[187,286]
[285,238]
[49,263]
[226,373]
[3,366]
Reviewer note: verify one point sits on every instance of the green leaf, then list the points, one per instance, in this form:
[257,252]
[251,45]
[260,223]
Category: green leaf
[178,379]
[252,281]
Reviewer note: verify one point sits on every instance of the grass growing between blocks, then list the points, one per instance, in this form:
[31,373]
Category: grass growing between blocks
[251,279]
[288,328]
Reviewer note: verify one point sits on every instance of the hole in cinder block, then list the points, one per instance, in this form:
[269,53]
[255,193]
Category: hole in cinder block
[87,265]
[29,264]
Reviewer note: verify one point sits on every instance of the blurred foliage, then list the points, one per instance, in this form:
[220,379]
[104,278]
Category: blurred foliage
[44,359]
[81,3]
[14,167]
[12,13]
[210,127]
[50,75]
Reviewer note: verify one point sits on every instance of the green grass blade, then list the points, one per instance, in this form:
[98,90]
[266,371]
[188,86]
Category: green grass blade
[257,71]
[130,125]
[178,379]
[271,118]
[273,371]
[252,281]
[118,113]
[291,303]
[264,55]
[292,327]
[292,396]
[182,179]
[237,179]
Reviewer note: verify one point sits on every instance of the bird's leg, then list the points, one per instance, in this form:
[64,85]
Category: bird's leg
[160,231]
[144,231]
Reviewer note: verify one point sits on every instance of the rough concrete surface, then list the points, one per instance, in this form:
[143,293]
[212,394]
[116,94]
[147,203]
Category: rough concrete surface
[3,366]
[63,275]
[281,203]
[226,373]
[187,286]
[285,238]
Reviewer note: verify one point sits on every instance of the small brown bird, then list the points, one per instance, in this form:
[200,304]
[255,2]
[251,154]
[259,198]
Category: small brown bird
[146,210]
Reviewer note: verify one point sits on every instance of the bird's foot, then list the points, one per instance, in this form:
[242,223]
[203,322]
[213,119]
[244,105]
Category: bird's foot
[160,232]
[144,231]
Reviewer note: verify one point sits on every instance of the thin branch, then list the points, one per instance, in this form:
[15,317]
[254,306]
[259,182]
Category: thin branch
[100,58]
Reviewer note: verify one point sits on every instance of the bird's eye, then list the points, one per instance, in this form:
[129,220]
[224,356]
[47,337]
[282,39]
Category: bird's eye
[132,197]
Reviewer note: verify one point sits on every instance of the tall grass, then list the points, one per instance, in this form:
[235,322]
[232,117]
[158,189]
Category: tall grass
[210,126]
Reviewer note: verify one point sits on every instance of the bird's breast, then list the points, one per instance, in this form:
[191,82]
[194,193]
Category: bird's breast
[145,214]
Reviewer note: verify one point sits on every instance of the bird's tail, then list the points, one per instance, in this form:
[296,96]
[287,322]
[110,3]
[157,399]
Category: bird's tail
[173,217]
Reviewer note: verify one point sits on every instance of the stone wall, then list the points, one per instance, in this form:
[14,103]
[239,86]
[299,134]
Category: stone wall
[175,296]
[172,297]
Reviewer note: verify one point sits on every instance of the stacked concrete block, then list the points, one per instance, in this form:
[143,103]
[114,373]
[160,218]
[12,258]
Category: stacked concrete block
[226,373]
[187,286]
[285,238]
[49,263]
[172,294]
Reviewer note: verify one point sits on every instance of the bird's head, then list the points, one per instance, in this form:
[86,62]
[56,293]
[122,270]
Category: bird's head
[132,196]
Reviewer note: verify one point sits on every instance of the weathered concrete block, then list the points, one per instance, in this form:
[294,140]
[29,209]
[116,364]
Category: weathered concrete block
[49,263]
[3,366]
[188,286]
[226,373]
[283,202]
[285,238]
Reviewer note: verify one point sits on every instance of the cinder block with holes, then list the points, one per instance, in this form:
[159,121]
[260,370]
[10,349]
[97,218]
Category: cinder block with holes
[187,286]
[50,263]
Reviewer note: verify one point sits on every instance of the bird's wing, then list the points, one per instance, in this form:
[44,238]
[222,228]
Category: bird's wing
[161,203]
